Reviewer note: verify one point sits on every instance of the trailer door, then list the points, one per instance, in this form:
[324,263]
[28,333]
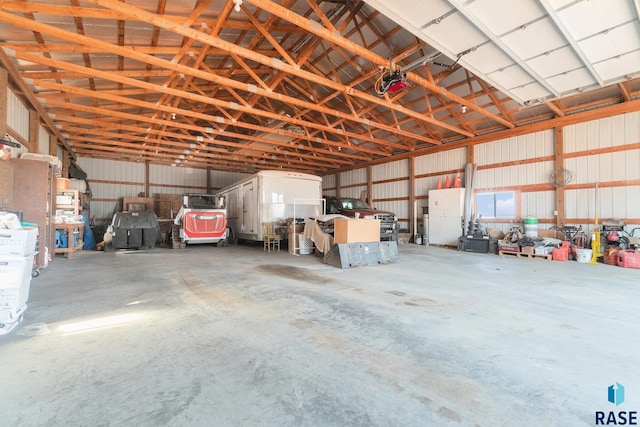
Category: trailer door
[249,209]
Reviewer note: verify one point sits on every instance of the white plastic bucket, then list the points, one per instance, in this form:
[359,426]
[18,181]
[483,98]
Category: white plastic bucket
[531,227]
[305,245]
[583,255]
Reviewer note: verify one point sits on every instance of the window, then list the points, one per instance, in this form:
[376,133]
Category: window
[497,205]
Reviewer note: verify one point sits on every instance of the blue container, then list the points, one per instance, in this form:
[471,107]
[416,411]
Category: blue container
[64,241]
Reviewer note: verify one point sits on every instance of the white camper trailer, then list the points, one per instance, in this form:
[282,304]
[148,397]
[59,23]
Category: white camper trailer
[270,196]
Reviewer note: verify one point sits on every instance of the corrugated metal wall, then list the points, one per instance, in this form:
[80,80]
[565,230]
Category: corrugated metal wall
[499,167]
[430,168]
[110,181]
[43,140]
[220,179]
[393,194]
[615,200]
[17,115]
[356,180]
[18,120]
[522,162]
[174,180]
[329,183]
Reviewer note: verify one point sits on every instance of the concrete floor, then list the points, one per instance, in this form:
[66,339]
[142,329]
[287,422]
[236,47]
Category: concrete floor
[233,336]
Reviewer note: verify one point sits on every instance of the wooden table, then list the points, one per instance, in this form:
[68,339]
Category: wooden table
[68,229]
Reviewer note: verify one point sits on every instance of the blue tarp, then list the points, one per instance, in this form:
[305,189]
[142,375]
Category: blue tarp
[89,241]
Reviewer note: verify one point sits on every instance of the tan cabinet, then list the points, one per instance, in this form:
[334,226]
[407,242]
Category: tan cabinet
[34,191]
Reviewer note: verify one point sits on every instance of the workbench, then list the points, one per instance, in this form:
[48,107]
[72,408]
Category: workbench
[68,229]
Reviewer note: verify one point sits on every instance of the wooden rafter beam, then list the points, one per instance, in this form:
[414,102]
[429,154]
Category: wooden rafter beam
[139,14]
[190,113]
[308,25]
[208,76]
[28,93]
[198,98]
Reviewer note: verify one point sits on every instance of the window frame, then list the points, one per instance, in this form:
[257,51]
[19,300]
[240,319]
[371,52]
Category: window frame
[495,217]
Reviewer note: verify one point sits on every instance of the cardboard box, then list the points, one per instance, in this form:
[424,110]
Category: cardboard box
[293,238]
[356,230]
[527,250]
[18,242]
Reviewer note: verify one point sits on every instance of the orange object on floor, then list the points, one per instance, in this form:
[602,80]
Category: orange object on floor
[628,258]
[439,186]
[560,254]
[447,182]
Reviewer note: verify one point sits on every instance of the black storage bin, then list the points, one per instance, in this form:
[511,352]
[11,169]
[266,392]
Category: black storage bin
[149,237]
[135,229]
[470,244]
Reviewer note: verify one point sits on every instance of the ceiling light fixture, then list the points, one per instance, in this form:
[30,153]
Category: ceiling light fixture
[463,109]
[237,3]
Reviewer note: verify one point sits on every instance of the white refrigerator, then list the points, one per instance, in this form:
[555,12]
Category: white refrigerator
[446,213]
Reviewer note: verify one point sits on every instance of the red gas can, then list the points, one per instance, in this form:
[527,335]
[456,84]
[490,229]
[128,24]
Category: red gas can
[628,258]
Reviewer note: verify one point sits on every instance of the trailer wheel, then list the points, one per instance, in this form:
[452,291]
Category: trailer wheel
[221,243]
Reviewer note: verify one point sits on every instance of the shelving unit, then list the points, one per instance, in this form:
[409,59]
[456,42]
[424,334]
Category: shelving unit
[70,209]
[67,224]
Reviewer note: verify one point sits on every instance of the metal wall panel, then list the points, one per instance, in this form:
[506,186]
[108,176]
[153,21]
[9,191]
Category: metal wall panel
[608,132]
[424,185]
[357,176]
[538,144]
[617,166]
[613,202]
[353,191]
[163,189]
[391,190]
[17,115]
[221,179]
[110,170]
[120,173]
[329,181]
[43,140]
[527,174]
[442,161]
[397,169]
[538,204]
[432,164]
[113,193]
[167,176]
[102,210]
[631,201]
